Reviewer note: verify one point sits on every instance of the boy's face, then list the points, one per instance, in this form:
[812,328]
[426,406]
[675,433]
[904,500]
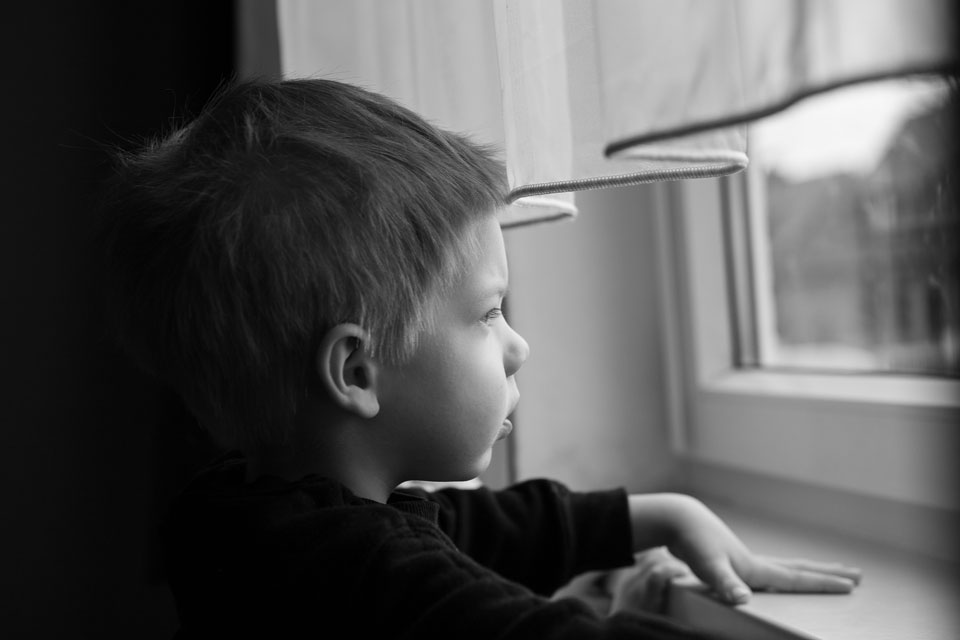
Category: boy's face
[448,404]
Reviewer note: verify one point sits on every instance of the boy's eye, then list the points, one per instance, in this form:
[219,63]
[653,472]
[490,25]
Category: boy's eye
[492,315]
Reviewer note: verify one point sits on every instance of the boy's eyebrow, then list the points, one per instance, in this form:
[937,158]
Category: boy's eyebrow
[498,290]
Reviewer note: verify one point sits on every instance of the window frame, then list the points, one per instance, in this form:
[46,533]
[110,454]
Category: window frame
[884,436]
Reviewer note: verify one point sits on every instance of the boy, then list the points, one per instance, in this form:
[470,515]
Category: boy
[319,273]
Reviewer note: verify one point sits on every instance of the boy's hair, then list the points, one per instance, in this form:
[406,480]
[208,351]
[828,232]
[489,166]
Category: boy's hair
[233,244]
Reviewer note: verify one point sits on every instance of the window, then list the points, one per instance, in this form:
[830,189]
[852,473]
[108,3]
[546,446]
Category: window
[853,234]
[823,406]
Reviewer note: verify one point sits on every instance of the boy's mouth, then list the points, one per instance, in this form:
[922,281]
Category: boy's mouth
[507,425]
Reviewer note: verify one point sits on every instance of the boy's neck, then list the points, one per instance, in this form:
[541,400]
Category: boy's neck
[360,485]
[329,450]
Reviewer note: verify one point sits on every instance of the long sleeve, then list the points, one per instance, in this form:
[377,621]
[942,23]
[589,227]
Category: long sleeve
[306,559]
[538,533]
[420,582]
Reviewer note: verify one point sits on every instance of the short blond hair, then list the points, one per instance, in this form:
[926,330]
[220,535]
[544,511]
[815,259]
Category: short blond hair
[234,243]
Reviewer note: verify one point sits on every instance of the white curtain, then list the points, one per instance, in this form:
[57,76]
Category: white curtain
[583,94]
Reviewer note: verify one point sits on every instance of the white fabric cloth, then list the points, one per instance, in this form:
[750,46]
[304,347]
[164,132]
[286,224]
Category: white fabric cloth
[584,94]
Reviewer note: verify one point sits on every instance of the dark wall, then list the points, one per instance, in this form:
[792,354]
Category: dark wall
[91,450]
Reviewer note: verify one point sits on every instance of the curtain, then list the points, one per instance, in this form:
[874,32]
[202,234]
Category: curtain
[583,94]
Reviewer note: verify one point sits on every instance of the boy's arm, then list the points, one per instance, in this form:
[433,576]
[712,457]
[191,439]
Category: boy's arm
[693,533]
[538,533]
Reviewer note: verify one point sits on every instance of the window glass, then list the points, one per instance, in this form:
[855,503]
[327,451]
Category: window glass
[853,232]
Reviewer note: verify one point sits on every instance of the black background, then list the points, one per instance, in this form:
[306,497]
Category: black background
[86,468]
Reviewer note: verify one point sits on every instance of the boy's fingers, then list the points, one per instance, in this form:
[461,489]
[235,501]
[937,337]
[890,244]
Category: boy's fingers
[777,577]
[830,568]
[646,592]
[660,560]
[644,586]
[719,574]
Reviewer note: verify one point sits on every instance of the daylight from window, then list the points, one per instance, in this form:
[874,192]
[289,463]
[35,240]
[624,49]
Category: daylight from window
[854,231]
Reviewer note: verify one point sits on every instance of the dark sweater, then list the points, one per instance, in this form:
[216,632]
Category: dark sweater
[309,559]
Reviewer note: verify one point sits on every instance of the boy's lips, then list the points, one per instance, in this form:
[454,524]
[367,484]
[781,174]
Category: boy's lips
[507,426]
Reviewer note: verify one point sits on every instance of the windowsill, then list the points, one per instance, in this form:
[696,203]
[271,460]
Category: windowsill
[903,595]
[877,389]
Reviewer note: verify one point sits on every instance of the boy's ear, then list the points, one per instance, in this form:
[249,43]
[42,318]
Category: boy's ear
[346,370]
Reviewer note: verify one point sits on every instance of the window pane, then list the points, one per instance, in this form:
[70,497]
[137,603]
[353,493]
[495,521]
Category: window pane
[854,231]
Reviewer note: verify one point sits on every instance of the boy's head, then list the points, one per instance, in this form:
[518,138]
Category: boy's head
[235,243]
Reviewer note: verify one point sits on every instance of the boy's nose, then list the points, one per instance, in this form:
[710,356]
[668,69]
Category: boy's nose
[516,352]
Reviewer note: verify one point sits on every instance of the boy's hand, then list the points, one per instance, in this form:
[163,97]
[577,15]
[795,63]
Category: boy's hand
[695,535]
[644,585]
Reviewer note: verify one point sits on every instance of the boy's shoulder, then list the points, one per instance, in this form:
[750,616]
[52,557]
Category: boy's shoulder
[221,492]
[222,518]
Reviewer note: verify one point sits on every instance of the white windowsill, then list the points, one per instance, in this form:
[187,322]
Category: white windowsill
[908,391]
[903,595]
